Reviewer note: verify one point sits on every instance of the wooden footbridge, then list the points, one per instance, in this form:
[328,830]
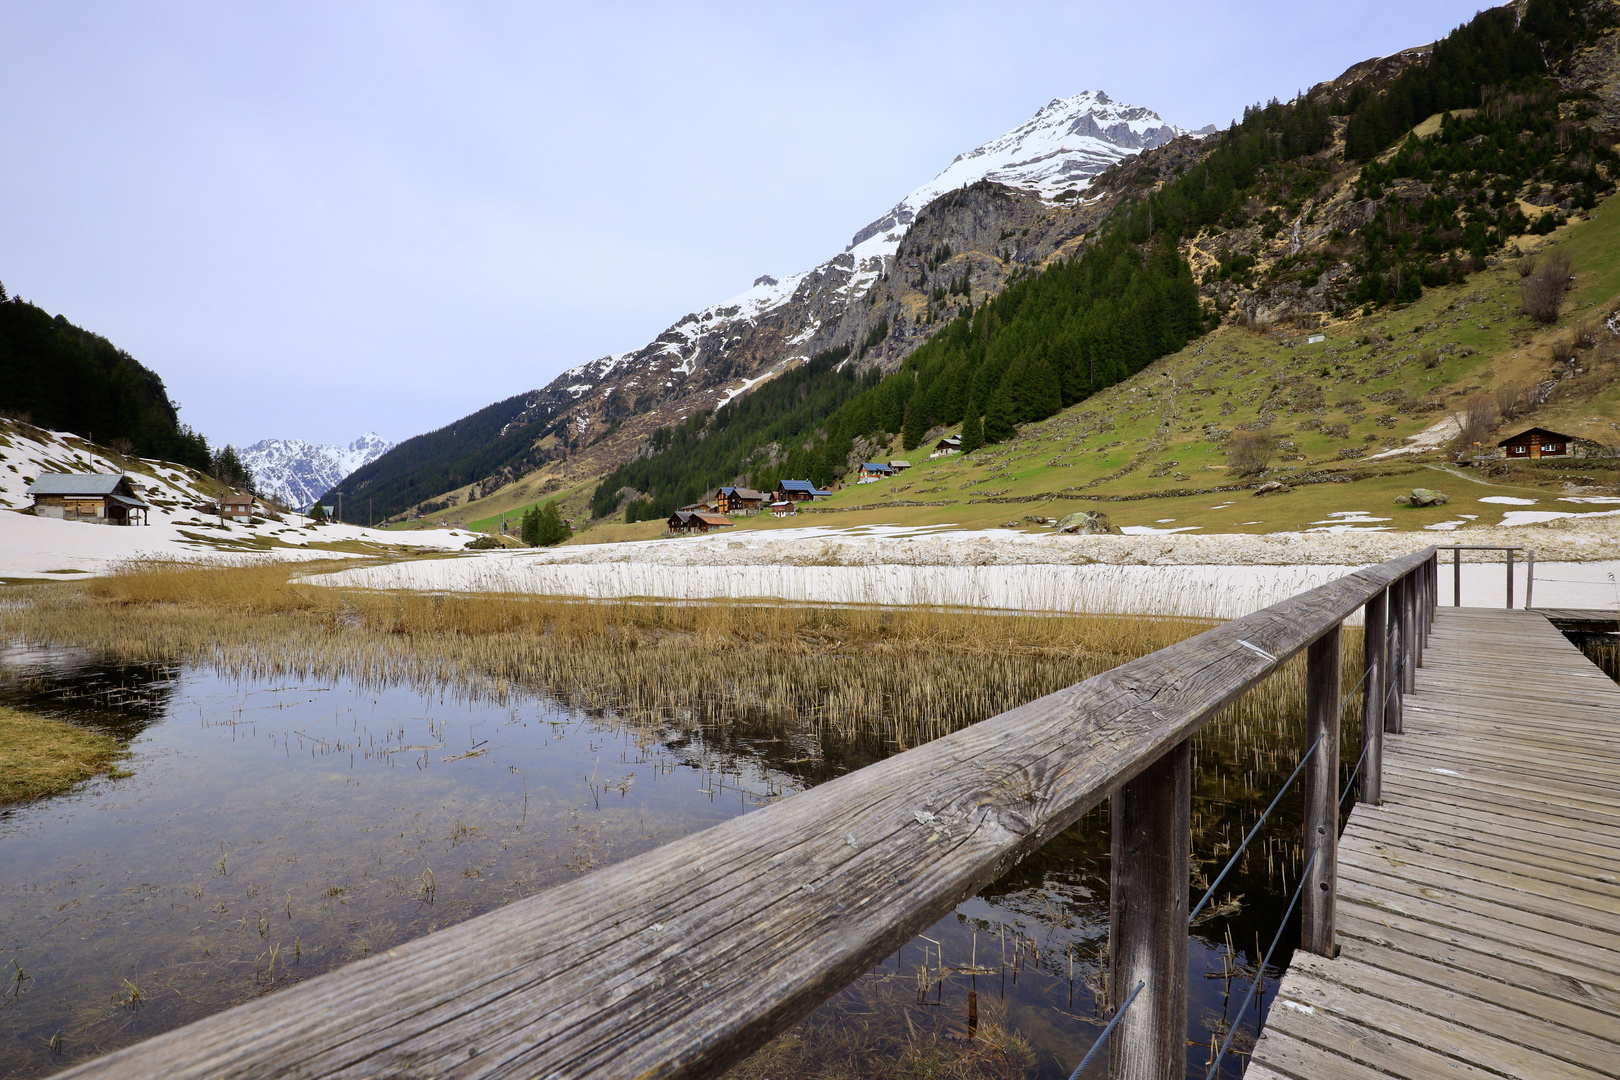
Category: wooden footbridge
[1466,925]
[1478,907]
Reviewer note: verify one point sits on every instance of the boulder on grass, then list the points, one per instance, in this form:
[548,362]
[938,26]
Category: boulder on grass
[1088,523]
[1427,497]
[1271,487]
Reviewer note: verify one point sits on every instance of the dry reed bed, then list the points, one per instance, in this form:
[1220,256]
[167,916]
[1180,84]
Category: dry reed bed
[907,674]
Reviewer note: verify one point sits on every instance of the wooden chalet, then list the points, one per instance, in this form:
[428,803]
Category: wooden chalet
[690,521]
[1536,443]
[236,506]
[899,466]
[108,498]
[951,444]
[798,491]
[738,500]
[783,509]
[874,470]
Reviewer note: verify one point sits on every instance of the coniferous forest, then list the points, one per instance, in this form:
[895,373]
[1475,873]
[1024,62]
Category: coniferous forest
[58,376]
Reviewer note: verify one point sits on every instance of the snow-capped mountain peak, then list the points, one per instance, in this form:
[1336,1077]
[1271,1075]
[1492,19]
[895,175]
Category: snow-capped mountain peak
[297,473]
[1066,143]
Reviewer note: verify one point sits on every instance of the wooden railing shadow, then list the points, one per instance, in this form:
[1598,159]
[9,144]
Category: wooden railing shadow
[680,962]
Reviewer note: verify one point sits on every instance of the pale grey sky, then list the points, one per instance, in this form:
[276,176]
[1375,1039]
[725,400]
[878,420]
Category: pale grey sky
[314,219]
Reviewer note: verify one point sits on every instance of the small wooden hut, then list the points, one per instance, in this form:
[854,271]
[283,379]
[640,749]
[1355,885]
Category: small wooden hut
[1536,443]
[107,498]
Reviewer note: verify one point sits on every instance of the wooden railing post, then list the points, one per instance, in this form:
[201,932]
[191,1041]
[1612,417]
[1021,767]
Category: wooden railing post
[1409,638]
[1151,849]
[1395,671]
[1418,590]
[1372,705]
[1456,573]
[1322,703]
[1510,577]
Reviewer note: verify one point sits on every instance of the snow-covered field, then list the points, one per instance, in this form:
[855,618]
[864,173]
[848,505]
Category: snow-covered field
[46,548]
[1209,576]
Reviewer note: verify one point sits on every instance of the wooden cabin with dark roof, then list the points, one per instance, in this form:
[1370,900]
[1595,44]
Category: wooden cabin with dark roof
[798,491]
[1536,443]
[106,498]
[738,500]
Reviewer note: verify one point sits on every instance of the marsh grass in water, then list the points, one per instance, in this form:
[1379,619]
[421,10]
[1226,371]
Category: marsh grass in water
[41,755]
[395,823]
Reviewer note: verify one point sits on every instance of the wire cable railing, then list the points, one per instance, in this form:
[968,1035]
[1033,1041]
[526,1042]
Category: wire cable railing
[1096,1046]
[1260,972]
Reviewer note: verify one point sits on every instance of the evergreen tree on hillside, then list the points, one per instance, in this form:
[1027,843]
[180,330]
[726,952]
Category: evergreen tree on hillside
[914,427]
[228,468]
[550,528]
[998,420]
[530,531]
[972,431]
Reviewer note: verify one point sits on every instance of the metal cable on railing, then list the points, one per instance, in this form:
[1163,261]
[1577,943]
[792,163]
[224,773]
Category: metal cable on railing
[1350,784]
[1080,1068]
[1262,820]
[1260,972]
[1210,892]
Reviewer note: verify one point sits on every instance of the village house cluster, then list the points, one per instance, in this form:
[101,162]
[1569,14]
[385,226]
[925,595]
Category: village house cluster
[716,513]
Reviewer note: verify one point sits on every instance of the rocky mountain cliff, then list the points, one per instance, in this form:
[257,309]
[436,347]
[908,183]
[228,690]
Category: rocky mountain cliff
[994,212]
[297,473]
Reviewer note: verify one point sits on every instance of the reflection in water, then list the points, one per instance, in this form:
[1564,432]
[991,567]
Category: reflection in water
[273,831]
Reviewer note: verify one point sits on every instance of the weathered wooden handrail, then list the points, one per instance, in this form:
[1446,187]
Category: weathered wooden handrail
[679,962]
[1456,564]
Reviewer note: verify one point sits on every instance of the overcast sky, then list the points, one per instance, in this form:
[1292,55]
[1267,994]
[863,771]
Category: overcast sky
[317,219]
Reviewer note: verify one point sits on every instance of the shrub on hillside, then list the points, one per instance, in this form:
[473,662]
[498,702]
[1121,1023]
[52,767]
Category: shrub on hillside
[1248,453]
[1476,424]
[1543,290]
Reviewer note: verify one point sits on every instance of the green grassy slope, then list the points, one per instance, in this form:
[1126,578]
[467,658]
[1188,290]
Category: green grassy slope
[1148,451]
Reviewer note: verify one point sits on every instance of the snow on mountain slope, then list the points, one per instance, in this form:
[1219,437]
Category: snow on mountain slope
[1063,146]
[296,473]
[597,414]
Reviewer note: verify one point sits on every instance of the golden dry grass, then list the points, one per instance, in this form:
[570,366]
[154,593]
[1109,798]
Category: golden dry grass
[905,675]
[42,756]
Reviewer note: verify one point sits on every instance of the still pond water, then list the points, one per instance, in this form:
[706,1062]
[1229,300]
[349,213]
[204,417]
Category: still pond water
[273,831]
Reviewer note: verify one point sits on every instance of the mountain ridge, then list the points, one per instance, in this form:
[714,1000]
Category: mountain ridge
[596,414]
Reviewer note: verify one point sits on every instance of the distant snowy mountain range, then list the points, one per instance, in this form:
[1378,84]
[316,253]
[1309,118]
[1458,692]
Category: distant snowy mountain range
[297,473]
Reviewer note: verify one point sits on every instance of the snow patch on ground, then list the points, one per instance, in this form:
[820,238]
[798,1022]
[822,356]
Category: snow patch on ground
[51,548]
[1433,437]
[1213,575]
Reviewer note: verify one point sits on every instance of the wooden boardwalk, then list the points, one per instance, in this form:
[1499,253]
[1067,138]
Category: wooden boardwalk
[1479,906]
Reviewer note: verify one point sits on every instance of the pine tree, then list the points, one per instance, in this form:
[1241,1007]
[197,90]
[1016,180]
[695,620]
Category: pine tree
[998,421]
[550,528]
[972,430]
[531,526]
[915,425]
[317,512]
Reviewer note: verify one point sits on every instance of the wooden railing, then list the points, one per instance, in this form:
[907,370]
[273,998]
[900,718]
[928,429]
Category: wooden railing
[680,962]
[1456,569]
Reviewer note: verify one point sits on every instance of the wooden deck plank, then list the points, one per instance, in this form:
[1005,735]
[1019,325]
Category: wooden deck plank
[1479,906]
